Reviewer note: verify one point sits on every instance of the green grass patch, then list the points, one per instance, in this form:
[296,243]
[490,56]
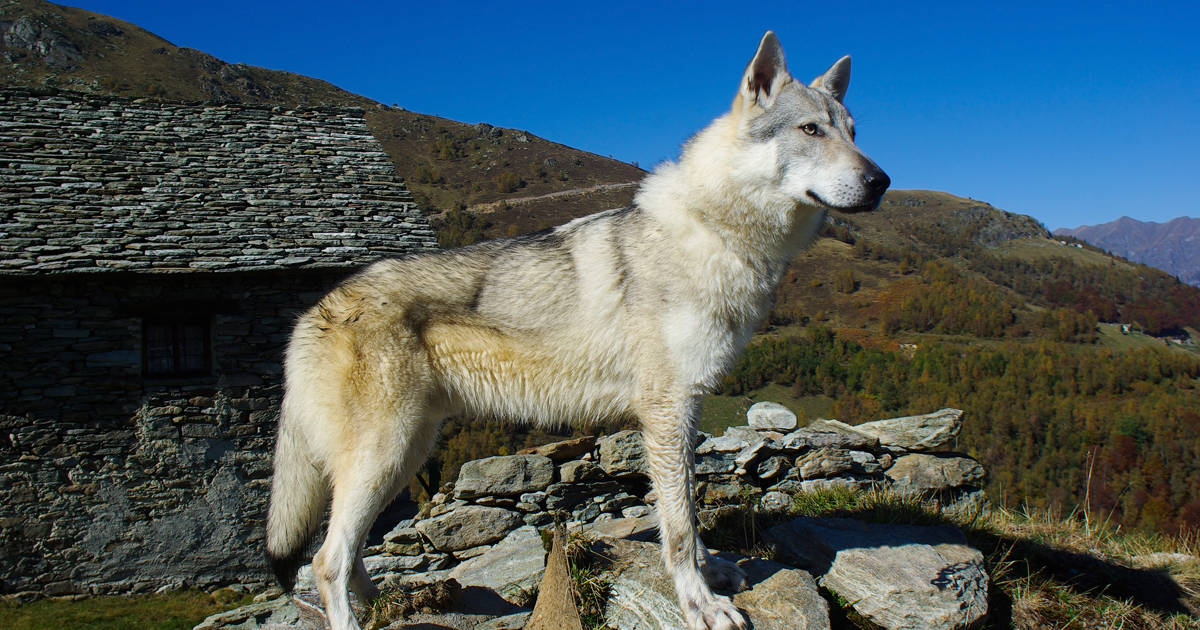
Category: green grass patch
[180,610]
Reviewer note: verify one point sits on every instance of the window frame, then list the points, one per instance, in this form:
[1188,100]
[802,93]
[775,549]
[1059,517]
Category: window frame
[176,326]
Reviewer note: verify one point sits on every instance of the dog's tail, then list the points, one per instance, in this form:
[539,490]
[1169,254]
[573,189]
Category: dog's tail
[299,493]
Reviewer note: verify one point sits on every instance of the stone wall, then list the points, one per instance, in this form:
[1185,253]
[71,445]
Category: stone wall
[114,482]
[603,484]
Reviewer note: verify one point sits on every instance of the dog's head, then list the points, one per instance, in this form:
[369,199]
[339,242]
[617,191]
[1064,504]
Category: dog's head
[803,135]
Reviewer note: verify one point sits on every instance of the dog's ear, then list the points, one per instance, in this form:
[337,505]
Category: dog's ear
[766,74]
[835,80]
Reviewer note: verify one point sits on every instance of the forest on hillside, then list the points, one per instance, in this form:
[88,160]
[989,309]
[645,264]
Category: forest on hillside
[1056,424]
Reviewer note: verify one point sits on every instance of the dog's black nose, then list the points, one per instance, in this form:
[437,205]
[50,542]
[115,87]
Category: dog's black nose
[877,181]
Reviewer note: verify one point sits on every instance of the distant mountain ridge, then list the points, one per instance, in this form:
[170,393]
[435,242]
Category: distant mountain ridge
[1173,246]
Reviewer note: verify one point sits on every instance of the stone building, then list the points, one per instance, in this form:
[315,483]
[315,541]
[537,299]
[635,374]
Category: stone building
[152,258]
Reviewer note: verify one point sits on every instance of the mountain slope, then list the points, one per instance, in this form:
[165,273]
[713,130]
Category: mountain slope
[447,164]
[1173,246]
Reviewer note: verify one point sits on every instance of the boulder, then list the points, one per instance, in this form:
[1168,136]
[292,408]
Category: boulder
[930,474]
[642,597]
[506,475]
[468,526]
[896,576]
[622,453]
[916,433]
[512,569]
[771,416]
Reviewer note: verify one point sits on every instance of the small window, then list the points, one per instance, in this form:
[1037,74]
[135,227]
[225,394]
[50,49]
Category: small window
[176,347]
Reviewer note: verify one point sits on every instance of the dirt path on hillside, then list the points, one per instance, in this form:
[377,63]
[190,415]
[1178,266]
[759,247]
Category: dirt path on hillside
[493,206]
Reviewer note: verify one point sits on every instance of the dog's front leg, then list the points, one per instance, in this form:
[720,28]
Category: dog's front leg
[668,427]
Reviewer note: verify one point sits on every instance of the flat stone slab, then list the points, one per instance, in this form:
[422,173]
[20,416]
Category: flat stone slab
[559,452]
[503,475]
[926,474]
[468,526]
[281,612]
[512,569]
[896,576]
[916,433]
[642,597]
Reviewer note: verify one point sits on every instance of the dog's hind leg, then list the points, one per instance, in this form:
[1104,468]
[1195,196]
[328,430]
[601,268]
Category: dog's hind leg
[366,478]
[668,428]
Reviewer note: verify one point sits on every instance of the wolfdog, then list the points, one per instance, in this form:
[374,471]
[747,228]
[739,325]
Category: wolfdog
[636,311]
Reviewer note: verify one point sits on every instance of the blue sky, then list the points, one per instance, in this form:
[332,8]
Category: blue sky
[1075,113]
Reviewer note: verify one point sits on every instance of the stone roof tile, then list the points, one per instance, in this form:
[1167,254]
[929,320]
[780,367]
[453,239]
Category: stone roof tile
[94,183]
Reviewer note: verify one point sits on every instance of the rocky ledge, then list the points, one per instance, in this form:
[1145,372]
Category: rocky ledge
[483,530]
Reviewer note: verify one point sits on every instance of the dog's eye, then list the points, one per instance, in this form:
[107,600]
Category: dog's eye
[811,129]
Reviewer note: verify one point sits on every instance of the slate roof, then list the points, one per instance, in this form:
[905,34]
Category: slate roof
[98,184]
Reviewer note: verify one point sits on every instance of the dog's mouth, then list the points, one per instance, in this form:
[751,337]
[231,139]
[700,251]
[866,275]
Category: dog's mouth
[847,209]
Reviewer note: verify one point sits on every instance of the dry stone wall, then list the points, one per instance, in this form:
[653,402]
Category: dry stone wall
[114,482]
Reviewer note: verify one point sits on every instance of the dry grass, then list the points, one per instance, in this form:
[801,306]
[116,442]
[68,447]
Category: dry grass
[403,601]
[1050,570]
[592,582]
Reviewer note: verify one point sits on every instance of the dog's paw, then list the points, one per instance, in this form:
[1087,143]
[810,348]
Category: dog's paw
[723,575]
[714,612]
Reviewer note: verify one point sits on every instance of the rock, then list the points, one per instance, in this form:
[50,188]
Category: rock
[771,467]
[780,597]
[579,470]
[823,463]
[929,474]
[722,444]
[916,433]
[468,526]
[642,597]
[722,490]
[827,434]
[622,453]
[512,569]
[379,565]
[514,621]
[565,496]
[771,416]
[559,452]
[865,462]
[896,576]
[644,527]
[403,532]
[506,475]
[636,511]
[714,463]
[281,612]
[774,501]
